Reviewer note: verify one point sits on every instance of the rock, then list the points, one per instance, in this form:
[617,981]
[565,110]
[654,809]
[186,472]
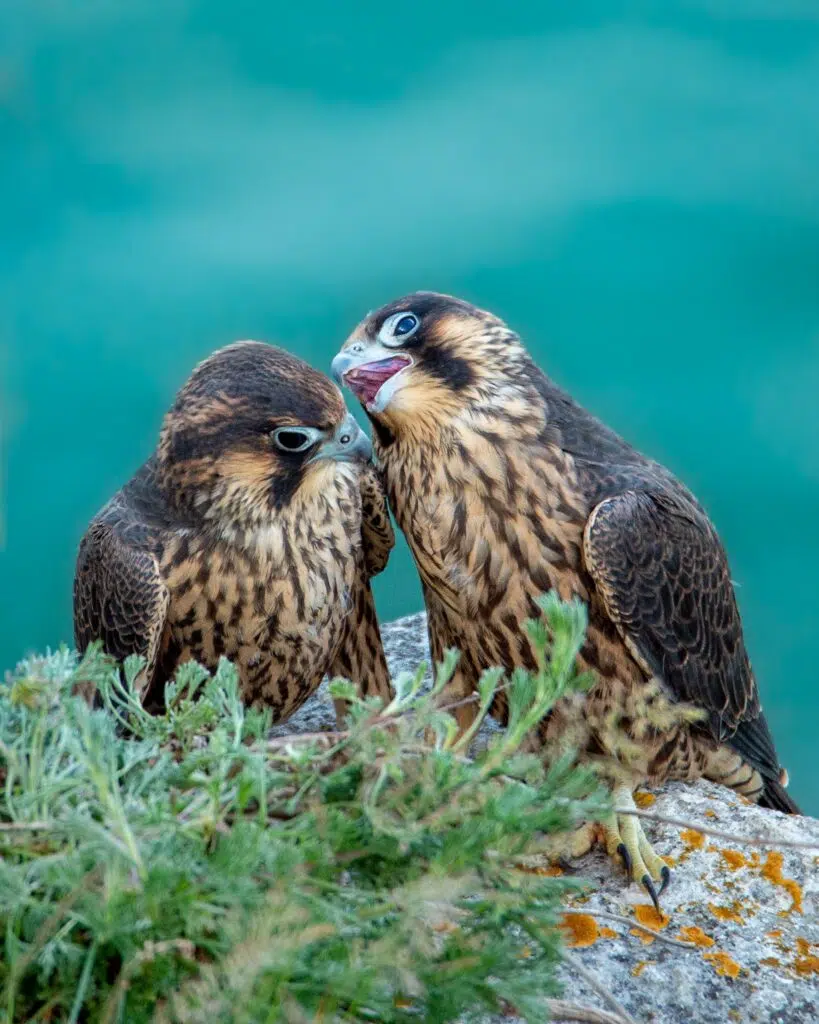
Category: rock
[752,911]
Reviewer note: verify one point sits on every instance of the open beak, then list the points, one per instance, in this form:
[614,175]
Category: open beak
[348,444]
[371,372]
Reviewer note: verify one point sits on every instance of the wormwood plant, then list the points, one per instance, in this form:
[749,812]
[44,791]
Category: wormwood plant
[184,867]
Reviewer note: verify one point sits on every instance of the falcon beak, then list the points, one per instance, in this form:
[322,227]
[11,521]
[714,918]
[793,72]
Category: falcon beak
[371,371]
[348,444]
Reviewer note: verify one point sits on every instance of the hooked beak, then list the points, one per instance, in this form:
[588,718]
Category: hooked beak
[371,372]
[348,444]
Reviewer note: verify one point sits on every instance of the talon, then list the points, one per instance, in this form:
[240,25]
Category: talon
[626,841]
[648,885]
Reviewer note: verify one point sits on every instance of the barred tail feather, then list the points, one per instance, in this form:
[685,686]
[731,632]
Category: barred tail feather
[775,796]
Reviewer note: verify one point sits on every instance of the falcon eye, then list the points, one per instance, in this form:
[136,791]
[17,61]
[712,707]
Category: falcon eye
[398,327]
[406,325]
[290,440]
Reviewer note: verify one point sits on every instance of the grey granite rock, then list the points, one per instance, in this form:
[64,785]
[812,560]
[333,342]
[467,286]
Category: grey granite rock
[755,910]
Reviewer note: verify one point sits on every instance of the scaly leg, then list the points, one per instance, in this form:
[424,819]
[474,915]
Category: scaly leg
[624,838]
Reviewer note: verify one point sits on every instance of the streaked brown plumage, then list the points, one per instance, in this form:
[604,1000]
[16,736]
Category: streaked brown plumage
[252,533]
[505,489]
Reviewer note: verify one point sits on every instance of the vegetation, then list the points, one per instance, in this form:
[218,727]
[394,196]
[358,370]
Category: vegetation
[185,867]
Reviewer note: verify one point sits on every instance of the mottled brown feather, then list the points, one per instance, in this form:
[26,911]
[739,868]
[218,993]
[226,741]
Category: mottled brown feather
[120,598]
[377,535]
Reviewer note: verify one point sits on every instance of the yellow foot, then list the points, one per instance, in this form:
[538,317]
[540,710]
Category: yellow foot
[567,846]
[624,838]
[556,851]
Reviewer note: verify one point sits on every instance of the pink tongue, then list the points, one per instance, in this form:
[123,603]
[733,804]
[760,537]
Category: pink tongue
[365,381]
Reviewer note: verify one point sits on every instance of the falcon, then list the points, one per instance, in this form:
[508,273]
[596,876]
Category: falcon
[506,488]
[252,532]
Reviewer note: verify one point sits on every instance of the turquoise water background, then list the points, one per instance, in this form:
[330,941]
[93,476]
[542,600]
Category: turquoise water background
[635,187]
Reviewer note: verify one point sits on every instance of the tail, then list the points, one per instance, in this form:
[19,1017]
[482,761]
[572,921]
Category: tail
[775,796]
[754,743]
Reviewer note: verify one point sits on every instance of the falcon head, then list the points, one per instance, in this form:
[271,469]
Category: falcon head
[254,430]
[426,356]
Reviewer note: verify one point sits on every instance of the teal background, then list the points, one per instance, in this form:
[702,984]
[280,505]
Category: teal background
[635,187]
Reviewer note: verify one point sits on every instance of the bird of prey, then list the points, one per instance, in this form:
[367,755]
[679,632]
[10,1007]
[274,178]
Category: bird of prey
[252,532]
[506,488]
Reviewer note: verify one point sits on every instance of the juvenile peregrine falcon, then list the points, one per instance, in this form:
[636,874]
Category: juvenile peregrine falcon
[506,489]
[252,532]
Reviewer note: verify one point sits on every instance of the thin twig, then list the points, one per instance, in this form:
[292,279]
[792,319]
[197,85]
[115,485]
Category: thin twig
[592,981]
[339,734]
[25,826]
[632,923]
[277,742]
[559,1009]
[791,844]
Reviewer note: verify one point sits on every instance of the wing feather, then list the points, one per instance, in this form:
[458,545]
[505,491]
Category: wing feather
[377,534]
[663,576]
[120,597]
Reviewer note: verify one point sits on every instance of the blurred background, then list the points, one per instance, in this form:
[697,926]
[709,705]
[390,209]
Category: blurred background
[637,193]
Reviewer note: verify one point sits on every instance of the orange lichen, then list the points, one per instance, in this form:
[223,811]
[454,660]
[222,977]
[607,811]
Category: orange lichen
[806,965]
[580,930]
[693,839]
[772,871]
[710,813]
[805,962]
[723,964]
[669,860]
[644,799]
[639,967]
[608,933]
[734,860]
[696,936]
[647,916]
[545,870]
[549,870]
[724,913]
[525,953]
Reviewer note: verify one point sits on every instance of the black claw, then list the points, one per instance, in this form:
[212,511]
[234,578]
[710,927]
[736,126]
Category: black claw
[665,874]
[622,849]
[652,892]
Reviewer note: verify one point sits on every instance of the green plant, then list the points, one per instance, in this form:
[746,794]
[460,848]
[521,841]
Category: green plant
[184,867]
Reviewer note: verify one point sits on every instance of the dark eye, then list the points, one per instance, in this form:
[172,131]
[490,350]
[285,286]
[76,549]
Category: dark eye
[291,440]
[397,328]
[406,325]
